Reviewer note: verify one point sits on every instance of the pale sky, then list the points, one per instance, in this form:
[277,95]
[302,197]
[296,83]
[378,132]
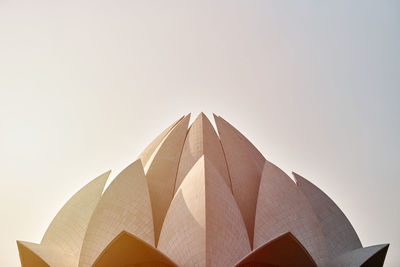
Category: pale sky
[85,86]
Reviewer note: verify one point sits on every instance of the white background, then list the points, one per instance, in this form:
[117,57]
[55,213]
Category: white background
[85,86]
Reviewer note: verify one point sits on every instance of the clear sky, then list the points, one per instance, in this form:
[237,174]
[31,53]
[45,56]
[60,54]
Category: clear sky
[85,86]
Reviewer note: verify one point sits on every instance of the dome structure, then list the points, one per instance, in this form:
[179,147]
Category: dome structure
[195,197]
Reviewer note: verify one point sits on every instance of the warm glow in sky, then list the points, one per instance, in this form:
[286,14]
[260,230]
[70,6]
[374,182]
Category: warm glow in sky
[85,86]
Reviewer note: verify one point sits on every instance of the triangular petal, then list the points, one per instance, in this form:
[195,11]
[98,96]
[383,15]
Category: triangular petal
[67,230]
[183,236]
[282,208]
[125,206]
[203,225]
[259,159]
[339,234]
[245,167]
[373,256]
[161,171]
[226,239]
[36,255]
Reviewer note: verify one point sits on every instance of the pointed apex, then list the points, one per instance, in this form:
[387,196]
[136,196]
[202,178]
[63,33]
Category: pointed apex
[32,254]
[201,117]
[364,256]
[187,117]
[298,178]
[102,179]
[28,257]
[201,139]
[149,150]
[301,181]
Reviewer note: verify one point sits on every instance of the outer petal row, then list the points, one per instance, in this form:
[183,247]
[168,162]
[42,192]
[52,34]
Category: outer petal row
[63,239]
[36,255]
[285,250]
[129,250]
[283,208]
[373,256]
[339,234]
[125,206]
[223,195]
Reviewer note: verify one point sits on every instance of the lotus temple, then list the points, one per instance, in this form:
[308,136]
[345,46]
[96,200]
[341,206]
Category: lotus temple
[197,196]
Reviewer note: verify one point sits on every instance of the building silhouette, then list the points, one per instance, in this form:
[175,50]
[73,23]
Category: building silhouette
[197,198]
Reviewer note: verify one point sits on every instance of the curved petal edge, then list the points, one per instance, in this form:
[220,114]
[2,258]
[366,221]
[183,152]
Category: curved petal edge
[128,250]
[124,206]
[284,250]
[67,230]
[282,208]
[203,226]
[36,255]
[339,234]
[373,256]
